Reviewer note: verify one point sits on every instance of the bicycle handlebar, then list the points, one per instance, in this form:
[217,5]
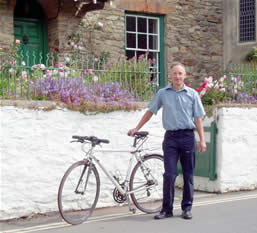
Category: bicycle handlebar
[94,140]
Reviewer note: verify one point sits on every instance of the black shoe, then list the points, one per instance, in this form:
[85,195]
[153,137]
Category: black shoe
[186,214]
[163,215]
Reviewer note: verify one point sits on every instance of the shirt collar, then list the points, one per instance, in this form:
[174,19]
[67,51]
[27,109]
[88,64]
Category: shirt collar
[185,88]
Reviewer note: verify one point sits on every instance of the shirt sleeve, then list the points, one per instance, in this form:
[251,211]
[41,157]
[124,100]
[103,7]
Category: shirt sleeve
[155,103]
[198,109]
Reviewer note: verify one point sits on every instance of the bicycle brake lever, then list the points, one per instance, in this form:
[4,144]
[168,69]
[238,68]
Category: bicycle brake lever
[73,141]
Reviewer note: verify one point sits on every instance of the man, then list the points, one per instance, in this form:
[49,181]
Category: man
[182,113]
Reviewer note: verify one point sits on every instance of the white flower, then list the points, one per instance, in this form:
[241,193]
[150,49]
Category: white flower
[67,59]
[222,89]
[100,25]
[209,85]
[42,66]
[23,63]
[216,86]
[12,71]
[222,79]
[208,80]
[24,74]
[202,92]
[95,78]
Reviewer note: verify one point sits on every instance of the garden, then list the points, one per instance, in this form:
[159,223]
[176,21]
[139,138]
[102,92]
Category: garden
[100,84]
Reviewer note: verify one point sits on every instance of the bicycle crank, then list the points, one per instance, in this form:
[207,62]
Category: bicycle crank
[118,196]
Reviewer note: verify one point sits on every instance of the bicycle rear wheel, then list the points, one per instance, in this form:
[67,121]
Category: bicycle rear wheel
[78,192]
[146,183]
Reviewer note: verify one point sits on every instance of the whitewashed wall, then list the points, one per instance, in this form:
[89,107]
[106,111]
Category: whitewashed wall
[35,152]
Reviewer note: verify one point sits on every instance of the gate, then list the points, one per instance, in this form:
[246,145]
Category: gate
[205,164]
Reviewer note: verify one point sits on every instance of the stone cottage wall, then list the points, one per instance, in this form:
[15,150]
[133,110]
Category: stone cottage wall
[193,32]
[6,22]
[194,37]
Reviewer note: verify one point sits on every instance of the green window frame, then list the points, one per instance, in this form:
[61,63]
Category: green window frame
[144,35]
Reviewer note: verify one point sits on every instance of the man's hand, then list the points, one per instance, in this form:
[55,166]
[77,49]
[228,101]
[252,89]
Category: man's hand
[202,146]
[132,132]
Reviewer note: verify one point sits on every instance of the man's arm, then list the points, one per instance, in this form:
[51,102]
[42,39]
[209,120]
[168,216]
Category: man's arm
[200,131]
[146,117]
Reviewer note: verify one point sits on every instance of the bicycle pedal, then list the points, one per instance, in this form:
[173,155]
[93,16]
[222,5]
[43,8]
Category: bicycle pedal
[133,210]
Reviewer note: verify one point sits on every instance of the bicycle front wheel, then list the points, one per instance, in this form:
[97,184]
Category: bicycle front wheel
[78,192]
[146,183]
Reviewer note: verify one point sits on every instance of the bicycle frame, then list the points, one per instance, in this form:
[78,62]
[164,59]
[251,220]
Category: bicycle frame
[139,187]
[135,155]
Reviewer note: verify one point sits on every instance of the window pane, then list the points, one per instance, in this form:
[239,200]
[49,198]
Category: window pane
[153,28]
[141,24]
[247,21]
[131,40]
[142,41]
[153,42]
[130,54]
[131,23]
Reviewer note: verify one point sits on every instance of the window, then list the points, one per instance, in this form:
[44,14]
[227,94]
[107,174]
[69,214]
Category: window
[247,21]
[143,38]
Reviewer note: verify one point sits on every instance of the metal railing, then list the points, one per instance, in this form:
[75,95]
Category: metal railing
[78,76]
[240,83]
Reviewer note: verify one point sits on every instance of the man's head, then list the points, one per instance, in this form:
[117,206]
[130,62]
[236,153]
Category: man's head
[178,75]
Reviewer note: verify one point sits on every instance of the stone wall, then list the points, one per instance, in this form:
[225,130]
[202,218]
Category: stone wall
[194,37]
[6,22]
[234,52]
[200,34]
[193,32]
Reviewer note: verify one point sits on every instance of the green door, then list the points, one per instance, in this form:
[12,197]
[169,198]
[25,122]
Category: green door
[31,33]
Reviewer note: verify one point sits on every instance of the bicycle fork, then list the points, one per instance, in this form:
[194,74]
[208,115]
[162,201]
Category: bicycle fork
[89,170]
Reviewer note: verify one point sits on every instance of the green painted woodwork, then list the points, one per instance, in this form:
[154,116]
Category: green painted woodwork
[162,55]
[34,51]
[205,164]
[162,81]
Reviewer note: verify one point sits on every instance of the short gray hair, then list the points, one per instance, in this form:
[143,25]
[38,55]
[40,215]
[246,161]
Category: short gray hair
[177,64]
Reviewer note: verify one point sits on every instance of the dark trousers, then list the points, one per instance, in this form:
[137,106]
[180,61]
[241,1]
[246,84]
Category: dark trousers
[178,144]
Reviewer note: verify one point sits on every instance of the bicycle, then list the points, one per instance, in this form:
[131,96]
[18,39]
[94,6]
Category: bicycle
[80,186]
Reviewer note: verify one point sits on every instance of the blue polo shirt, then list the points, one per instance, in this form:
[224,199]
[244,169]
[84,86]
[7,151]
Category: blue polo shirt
[179,107]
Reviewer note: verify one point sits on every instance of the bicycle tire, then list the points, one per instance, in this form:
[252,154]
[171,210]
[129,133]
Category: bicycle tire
[74,203]
[149,198]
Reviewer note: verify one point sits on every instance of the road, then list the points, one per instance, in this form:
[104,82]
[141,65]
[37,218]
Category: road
[212,213]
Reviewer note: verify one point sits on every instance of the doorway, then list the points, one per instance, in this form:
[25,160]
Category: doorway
[30,28]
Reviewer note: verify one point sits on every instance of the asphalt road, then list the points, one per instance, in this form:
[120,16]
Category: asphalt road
[212,213]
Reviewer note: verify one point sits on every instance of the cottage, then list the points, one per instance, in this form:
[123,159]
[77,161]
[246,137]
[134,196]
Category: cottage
[205,35]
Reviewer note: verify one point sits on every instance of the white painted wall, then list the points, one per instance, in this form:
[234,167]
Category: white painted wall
[35,152]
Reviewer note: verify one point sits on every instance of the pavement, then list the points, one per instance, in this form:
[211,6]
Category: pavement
[119,210]
[53,222]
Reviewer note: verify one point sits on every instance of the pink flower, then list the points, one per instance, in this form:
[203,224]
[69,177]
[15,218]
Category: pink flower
[84,72]
[17,41]
[216,86]
[204,85]
[90,71]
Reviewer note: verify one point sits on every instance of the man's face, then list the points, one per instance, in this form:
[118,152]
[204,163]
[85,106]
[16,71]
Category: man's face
[178,75]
